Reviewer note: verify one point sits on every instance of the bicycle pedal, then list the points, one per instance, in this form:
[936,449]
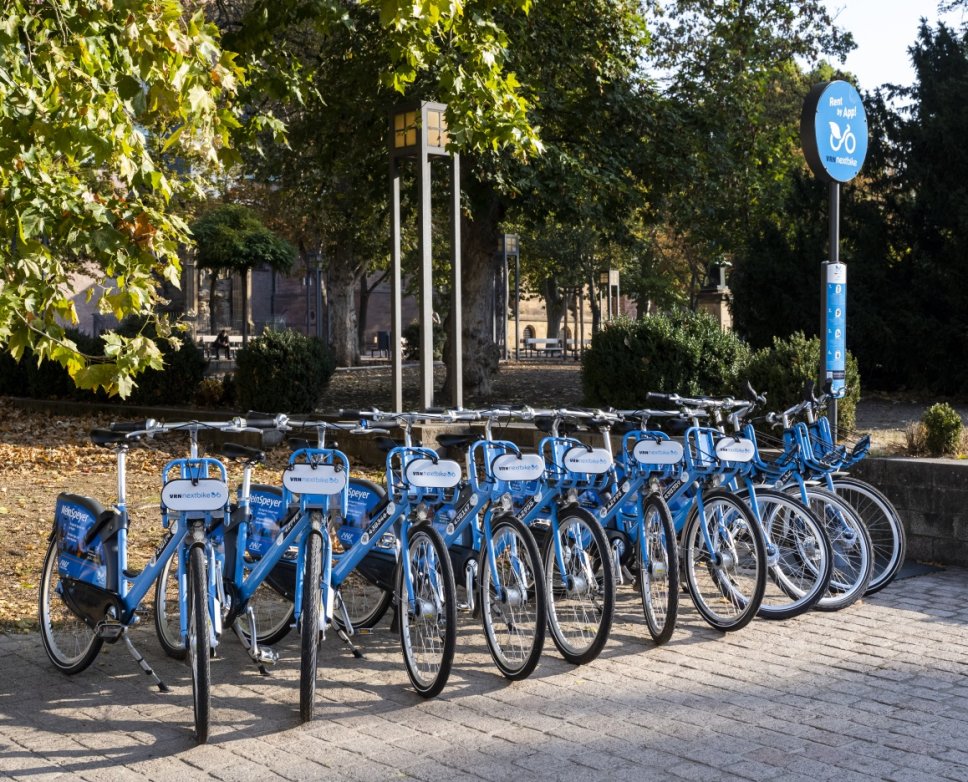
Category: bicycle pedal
[109,631]
[363,631]
[266,656]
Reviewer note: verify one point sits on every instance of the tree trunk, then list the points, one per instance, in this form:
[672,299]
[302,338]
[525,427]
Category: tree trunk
[343,279]
[593,304]
[245,307]
[554,306]
[479,266]
[212,282]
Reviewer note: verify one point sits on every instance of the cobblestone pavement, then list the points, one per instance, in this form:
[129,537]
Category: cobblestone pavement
[878,691]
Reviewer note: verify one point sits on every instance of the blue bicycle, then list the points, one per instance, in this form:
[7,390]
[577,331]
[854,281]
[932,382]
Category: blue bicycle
[89,596]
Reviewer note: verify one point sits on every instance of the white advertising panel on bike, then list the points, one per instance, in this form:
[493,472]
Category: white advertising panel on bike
[428,474]
[204,494]
[514,467]
[595,461]
[730,449]
[661,452]
[314,479]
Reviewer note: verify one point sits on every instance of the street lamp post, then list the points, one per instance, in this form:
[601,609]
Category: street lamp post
[419,130]
[508,245]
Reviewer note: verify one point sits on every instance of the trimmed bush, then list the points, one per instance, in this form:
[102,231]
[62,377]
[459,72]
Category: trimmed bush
[282,372]
[411,333]
[783,369]
[682,352]
[49,380]
[942,429]
[176,382]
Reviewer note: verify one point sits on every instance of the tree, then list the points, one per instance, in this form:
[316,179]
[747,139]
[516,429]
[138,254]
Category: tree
[333,72]
[727,131]
[232,239]
[110,113]
[578,65]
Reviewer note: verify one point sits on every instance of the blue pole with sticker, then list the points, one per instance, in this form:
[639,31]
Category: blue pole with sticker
[833,134]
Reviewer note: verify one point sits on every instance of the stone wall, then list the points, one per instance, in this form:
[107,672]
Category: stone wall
[931,496]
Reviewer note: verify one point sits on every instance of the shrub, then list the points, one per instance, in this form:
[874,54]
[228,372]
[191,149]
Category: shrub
[681,352]
[176,381]
[783,369]
[942,429]
[210,392]
[50,380]
[411,333]
[282,372]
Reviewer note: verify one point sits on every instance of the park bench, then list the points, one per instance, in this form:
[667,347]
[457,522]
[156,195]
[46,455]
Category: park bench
[542,346]
[207,343]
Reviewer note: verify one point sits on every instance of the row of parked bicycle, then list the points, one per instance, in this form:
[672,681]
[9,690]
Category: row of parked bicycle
[537,540]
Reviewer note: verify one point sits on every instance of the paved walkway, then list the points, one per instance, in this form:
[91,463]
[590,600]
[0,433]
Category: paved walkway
[878,691]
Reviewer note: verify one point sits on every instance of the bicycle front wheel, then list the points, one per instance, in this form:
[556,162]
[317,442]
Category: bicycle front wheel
[658,569]
[799,557]
[888,539]
[725,561]
[512,599]
[199,640]
[68,640]
[580,583]
[309,625]
[427,611]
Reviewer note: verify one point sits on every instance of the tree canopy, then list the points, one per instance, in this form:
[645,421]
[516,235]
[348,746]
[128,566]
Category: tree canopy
[110,114]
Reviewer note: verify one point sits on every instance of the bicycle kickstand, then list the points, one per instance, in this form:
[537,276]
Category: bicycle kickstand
[260,655]
[345,636]
[162,687]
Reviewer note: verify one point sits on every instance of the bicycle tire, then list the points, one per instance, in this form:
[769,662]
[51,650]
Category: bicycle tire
[517,603]
[888,538]
[365,602]
[199,640]
[852,558]
[309,624]
[167,624]
[581,599]
[428,628]
[799,571]
[658,569]
[70,643]
[727,584]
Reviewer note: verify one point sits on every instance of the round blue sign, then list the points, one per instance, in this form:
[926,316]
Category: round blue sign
[833,131]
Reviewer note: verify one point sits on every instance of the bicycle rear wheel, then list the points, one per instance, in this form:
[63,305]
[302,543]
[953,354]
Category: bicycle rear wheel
[888,539]
[428,623]
[199,640]
[70,643]
[851,546]
[309,624]
[365,602]
[167,624]
[799,556]
[513,609]
[580,586]
[658,569]
[727,579]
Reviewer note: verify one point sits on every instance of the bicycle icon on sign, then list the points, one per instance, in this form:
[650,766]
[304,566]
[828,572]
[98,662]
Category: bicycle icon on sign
[847,140]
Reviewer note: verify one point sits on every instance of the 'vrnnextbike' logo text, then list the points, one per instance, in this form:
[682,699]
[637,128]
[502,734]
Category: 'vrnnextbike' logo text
[198,494]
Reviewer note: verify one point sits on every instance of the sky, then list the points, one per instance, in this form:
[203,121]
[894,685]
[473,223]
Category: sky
[883,30]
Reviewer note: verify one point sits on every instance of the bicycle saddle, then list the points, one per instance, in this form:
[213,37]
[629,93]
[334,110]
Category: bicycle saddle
[243,453]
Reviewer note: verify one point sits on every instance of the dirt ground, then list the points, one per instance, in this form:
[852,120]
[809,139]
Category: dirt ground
[43,454]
